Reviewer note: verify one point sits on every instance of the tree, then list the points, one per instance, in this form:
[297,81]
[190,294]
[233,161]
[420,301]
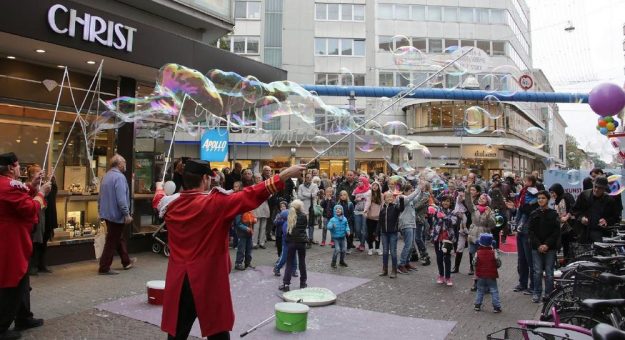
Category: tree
[574,155]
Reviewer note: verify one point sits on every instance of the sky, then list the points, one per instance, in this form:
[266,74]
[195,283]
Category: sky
[579,60]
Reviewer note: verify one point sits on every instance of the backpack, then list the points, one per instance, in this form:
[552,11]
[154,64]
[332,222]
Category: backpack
[248,218]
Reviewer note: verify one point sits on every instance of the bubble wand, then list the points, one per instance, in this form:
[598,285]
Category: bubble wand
[173,136]
[390,105]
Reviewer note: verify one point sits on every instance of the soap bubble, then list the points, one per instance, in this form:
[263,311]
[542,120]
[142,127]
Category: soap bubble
[475,120]
[320,144]
[537,136]
[500,135]
[395,128]
[573,177]
[614,185]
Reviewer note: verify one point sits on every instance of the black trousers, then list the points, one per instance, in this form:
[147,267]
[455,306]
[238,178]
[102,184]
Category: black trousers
[300,249]
[187,316]
[15,304]
[38,258]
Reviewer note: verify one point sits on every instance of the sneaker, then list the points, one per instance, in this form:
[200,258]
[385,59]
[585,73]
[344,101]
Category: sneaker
[261,246]
[528,292]
[440,280]
[496,309]
[131,264]
[28,324]
[295,274]
[448,282]
[410,267]
[477,307]
[283,287]
[402,270]
[380,252]
[370,252]
[239,266]
[361,248]
[343,264]
[473,288]
[110,272]
[322,244]
[276,272]
[536,299]
[426,261]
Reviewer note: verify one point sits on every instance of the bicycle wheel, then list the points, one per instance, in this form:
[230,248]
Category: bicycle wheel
[581,317]
[561,298]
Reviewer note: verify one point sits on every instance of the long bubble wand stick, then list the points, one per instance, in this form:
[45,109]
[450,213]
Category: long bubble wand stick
[173,136]
[56,110]
[390,105]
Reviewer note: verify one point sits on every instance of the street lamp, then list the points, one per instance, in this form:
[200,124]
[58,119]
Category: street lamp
[351,153]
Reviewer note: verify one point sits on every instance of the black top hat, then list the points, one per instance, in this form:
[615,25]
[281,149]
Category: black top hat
[198,167]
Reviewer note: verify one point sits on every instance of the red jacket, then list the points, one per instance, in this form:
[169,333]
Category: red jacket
[198,226]
[18,213]
[486,263]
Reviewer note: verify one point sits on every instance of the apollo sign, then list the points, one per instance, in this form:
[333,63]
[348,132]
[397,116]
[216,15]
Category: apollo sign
[214,145]
[94,28]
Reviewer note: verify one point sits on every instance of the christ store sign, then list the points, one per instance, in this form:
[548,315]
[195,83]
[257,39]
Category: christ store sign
[94,28]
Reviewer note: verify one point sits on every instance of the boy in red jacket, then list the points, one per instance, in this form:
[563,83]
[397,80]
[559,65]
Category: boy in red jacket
[486,263]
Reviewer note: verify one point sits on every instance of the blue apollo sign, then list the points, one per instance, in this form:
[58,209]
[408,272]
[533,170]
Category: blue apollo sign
[214,145]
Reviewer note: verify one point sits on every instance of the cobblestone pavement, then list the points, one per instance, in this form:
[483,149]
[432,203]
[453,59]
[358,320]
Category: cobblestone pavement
[66,298]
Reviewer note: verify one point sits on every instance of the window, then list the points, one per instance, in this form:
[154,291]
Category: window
[465,14]
[497,16]
[244,45]
[434,13]
[333,46]
[482,15]
[385,43]
[385,11]
[402,12]
[238,44]
[359,80]
[436,45]
[333,79]
[420,44]
[346,12]
[467,43]
[247,10]
[402,79]
[450,14]
[333,11]
[339,79]
[450,45]
[417,12]
[499,48]
[346,47]
[386,79]
[561,152]
[252,45]
[321,11]
[359,12]
[320,79]
[320,46]
[359,48]
[484,46]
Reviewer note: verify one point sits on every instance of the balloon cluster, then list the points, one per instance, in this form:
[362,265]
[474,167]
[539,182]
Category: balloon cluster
[607,99]
[607,125]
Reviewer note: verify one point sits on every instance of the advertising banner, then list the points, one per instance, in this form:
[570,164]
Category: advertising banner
[214,145]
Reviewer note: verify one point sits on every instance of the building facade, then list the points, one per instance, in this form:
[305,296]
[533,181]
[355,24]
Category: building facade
[359,43]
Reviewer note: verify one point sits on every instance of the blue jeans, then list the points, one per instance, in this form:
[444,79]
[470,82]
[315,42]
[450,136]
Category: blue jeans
[484,285]
[543,262]
[340,247]
[419,236]
[324,232]
[525,266]
[389,244]
[360,228]
[282,260]
[244,250]
[408,235]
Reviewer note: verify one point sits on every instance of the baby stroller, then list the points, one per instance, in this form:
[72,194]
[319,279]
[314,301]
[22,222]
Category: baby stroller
[160,240]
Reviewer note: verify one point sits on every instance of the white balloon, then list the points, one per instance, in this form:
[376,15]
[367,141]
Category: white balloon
[170,188]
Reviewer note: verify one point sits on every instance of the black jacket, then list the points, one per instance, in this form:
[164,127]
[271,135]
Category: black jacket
[544,228]
[389,217]
[299,234]
[595,208]
[349,188]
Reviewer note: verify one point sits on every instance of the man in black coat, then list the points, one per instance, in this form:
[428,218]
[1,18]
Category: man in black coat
[349,184]
[595,210]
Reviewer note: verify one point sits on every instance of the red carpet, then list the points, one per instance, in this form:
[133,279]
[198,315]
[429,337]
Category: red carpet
[510,245]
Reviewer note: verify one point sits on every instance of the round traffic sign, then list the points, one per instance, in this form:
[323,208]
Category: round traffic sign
[526,82]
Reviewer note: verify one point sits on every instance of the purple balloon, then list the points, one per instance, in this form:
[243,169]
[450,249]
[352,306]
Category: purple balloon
[607,99]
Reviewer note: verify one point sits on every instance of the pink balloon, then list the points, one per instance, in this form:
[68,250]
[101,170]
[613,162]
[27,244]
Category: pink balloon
[606,99]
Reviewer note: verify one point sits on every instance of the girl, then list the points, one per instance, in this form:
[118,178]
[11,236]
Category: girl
[462,231]
[348,211]
[563,204]
[281,229]
[482,221]
[443,237]
[372,211]
[327,204]
[296,239]
[362,195]
[340,229]
[388,229]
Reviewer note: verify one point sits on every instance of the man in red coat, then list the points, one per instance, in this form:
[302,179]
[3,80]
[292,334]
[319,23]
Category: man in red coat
[198,225]
[19,211]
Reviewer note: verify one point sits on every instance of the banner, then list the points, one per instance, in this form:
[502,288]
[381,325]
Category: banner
[214,145]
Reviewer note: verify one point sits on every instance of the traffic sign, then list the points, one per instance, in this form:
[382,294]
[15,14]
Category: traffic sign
[526,82]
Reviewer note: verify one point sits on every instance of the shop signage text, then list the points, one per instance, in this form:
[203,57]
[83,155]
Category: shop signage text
[214,145]
[485,154]
[94,28]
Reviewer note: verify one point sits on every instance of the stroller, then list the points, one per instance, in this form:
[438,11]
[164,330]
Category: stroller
[159,243]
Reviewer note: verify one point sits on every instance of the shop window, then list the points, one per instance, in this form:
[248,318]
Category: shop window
[436,45]
[450,14]
[417,12]
[447,115]
[484,45]
[458,115]
[435,116]
[402,12]
[465,14]
[434,13]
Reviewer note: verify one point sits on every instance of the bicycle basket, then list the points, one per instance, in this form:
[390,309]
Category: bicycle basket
[588,286]
[514,333]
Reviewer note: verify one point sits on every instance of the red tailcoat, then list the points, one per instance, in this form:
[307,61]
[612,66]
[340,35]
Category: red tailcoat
[19,211]
[198,226]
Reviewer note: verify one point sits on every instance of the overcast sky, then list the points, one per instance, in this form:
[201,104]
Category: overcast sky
[581,59]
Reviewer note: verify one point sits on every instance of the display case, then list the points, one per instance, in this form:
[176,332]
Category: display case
[77,217]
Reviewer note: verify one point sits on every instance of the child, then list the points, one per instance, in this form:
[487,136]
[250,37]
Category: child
[462,231]
[234,239]
[486,263]
[339,229]
[296,239]
[388,229]
[281,225]
[348,211]
[327,204]
[244,225]
[526,203]
[443,237]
